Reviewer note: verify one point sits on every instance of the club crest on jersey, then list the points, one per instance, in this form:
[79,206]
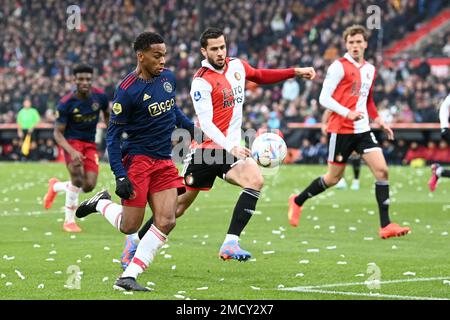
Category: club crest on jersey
[95,106]
[168,87]
[339,158]
[237,76]
[117,108]
[189,180]
[197,95]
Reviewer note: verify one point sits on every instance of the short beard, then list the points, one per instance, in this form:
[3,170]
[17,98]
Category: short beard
[216,66]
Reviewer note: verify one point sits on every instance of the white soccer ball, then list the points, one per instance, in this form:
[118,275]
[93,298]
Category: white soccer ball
[269,150]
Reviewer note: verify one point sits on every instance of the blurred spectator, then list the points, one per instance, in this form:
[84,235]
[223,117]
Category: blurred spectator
[27,119]
[290,90]
[415,151]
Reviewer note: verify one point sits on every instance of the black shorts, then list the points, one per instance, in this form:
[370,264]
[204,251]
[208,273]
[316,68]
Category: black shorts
[202,166]
[340,146]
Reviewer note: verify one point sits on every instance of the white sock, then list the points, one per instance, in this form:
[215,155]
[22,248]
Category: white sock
[111,211]
[72,194]
[146,251]
[230,237]
[61,186]
[135,238]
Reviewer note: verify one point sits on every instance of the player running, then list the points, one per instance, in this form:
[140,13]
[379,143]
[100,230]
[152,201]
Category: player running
[347,91]
[77,116]
[218,92]
[144,109]
[436,170]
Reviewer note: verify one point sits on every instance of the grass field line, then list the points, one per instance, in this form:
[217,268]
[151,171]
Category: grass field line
[317,289]
[361,294]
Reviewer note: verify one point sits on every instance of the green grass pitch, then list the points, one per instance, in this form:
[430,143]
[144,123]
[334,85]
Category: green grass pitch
[333,254]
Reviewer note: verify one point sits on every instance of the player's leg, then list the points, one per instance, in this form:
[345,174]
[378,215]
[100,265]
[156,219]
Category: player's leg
[339,148]
[90,166]
[375,161]
[72,191]
[247,175]
[356,165]
[437,172]
[132,240]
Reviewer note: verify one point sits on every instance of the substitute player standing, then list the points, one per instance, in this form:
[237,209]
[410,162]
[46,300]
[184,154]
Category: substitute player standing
[436,170]
[347,91]
[218,92]
[76,124]
[144,110]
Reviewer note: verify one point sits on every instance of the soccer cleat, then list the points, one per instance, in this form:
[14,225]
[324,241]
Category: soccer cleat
[341,184]
[432,183]
[393,230]
[128,284]
[71,227]
[231,250]
[294,212]
[355,185]
[89,206]
[51,194]
[128,252]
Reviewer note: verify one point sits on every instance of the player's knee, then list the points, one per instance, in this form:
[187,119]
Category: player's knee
[331,180]
[166,224]
[77,182]
[257,182]
[88,188]
[129,229]
[382,174]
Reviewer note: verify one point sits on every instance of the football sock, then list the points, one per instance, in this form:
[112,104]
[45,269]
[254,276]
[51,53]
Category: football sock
[61,186]
[145,228]
[382,195]
[71,205]
[356,163]
[111,211]
[231,237]
[316,187]
[146,251]
[243,211]
[441,172]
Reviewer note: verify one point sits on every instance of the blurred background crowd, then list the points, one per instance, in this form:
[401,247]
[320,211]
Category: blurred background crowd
[38,51]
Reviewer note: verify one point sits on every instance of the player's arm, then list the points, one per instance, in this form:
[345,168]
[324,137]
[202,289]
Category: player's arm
[122,105]
[58,134]
[201,98]
[444,112]
[324,122]
[334,75]
[106,111]
[269,76]
[182,121]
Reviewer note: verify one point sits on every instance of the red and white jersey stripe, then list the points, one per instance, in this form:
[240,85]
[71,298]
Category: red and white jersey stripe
[348,87]
[218,97]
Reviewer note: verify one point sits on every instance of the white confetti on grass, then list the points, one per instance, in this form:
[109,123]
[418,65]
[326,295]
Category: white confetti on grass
[88,256]
[58,272]
[304,261]
[20,275]
[268,252]
[41,286]
[368,238]
[255,288]
[202,288]
[73,236]
[105,279]
[280,286]
[2,276]
[178,296]
[8,258]
[24,229]
[52,252]
[149,283]
[445,233]
[352,228]
[394,247]
[167,256]
[48,233]
[312,250]
[299,275]
[331,247]
[8,284]
[316,227]
[173,267]
[446,282]
[342,262]
[409,273]
[36,245]
[128,292]
[276,232]
[106,248]
[360,275]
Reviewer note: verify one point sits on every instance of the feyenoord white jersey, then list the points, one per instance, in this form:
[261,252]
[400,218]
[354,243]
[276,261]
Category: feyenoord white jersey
[348,87]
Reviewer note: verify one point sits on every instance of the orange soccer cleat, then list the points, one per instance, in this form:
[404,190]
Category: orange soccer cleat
[393,230]
[71,227]
[294,212]
[51,194]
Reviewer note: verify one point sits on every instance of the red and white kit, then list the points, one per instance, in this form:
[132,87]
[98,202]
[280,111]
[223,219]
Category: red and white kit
[348,87]
[218,97]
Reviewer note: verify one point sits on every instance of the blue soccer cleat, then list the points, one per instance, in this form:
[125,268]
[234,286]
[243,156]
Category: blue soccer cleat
[231,250]
[128,252]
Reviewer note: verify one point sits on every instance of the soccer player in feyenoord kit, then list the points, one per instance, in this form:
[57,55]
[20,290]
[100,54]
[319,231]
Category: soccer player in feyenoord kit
[347,91]
[144,109]
[436,170]
[218,92]
[354,158]
[76,124]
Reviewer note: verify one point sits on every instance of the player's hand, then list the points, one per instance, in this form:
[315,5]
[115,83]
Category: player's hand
[240,152]
[306,73]
[355,116]
[124,188]
[77,157]
[445,134]
[387,130]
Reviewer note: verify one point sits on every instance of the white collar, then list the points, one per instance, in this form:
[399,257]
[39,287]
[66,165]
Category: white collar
[349,58]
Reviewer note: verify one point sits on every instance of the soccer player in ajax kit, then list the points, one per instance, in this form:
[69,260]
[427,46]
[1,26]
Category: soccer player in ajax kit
[347,91]
[76,124]
[217,93]
[144,110]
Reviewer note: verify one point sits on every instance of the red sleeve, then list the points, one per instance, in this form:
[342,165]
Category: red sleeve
[371,108]
[267,76]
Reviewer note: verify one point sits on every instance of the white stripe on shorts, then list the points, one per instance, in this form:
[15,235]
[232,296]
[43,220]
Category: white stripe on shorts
[332,147]
[372,149]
